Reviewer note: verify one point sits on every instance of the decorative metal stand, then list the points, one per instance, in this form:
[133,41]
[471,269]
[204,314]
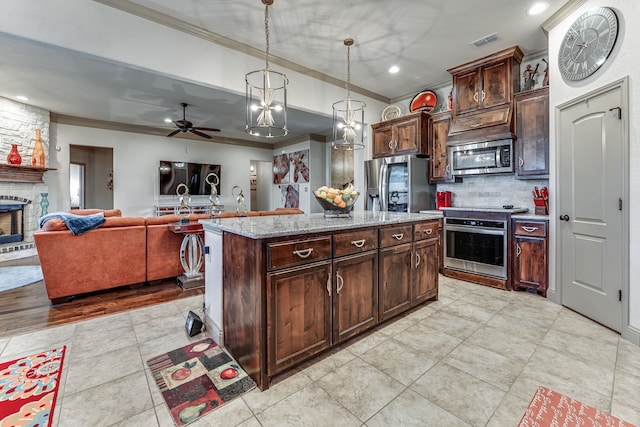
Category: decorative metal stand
[213,180]
[191,256]
[241,207]
[184,209]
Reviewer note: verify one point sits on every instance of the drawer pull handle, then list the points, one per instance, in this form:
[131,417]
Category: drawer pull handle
[398,236]
[340,281]
[329,285]
[518,250]
[417,260]
[427,231]
[529,229]
[304,253]
[358,243]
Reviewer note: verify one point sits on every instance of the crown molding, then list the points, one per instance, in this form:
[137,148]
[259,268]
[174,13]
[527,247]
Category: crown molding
[194,30]
[561,14]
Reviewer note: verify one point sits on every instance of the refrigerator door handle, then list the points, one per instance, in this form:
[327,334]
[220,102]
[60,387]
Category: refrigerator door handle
[382,187]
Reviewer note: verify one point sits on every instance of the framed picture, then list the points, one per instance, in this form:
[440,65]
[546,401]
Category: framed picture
[281,169]
[299,165]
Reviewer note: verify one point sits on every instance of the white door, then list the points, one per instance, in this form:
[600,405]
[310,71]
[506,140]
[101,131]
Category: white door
[591,172]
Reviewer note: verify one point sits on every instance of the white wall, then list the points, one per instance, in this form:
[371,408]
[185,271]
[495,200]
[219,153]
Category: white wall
[624,61]
[136,159]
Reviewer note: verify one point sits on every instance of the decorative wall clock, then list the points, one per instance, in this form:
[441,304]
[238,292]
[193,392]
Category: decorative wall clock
[588,43]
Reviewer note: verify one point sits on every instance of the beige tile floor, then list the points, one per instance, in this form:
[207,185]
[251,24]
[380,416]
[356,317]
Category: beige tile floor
[473,358]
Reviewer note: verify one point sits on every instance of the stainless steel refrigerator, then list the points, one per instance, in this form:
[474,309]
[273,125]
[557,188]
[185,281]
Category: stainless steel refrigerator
[399,184]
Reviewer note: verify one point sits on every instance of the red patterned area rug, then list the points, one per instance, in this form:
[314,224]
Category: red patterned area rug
[198,378]
[29,388]
[550,408]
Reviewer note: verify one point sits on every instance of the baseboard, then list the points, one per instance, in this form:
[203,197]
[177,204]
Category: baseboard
[632,334]
[214,330]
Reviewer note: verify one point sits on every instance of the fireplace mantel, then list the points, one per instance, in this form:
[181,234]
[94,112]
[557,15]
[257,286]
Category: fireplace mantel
[16,173]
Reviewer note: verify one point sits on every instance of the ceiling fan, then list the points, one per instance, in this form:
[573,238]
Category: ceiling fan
[185,125]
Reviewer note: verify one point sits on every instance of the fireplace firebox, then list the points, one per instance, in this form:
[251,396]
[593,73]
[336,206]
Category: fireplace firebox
[11,222]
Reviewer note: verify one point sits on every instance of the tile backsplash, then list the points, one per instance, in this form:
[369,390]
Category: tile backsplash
[494,191]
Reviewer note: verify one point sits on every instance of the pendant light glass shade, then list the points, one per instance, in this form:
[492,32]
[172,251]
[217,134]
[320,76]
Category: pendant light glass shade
[348,116]
[266,96]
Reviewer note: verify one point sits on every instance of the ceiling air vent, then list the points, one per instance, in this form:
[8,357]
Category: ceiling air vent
[486,39]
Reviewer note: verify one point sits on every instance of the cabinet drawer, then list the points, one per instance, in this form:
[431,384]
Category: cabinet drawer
[355,242]
[530,228]
[395,235]
[425,230]
[287,254]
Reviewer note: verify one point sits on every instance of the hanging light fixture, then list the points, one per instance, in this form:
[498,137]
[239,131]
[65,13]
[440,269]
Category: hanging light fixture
[348,116]
[266,95]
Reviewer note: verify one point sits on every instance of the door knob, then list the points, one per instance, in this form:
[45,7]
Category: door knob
[564,217]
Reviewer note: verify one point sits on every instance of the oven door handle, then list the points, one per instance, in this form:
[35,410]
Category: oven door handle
[476,230]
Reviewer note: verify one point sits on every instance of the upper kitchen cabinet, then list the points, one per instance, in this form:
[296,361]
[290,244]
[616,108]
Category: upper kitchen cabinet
[483,95]
[439,168]
[403,135]
[532,130]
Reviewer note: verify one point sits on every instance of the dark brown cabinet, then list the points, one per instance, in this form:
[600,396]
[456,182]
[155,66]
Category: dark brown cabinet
[408,272]
[299,313]
[532,131]
[403,135]
[285,299]
[439,169]
[483,94]
[395,280]
[530,256]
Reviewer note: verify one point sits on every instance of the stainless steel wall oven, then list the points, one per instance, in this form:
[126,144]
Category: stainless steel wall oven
[476,245]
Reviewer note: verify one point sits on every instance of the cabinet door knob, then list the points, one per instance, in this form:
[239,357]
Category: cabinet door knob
[303,253]
[391,145]
[398,236]
[529,229]
[475,97]
[417,259]
[520,162]
[483,96]
[564,217]
[518,249]
[427,231]
[329,285]
[447,169]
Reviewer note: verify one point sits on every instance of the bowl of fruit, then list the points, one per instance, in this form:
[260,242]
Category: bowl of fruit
[336,202]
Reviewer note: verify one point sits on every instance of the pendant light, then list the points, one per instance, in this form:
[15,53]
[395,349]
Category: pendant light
[348,116]
[266,95]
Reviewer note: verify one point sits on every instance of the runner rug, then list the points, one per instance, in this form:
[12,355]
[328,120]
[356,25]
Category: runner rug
[29,388]
[550,408]
[198,378]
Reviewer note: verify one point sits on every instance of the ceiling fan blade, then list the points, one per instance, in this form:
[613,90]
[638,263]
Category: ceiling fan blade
[207,129]
[174,132]
[204,135]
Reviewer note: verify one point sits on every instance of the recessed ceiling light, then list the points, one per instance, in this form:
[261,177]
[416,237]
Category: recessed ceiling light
[22,98]
[538,7]
[168,120]
[394,69]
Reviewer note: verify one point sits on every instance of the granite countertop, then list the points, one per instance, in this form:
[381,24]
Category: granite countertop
[260,227]
[514,210]
[433,212]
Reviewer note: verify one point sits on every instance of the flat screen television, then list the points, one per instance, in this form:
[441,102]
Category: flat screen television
[193,175]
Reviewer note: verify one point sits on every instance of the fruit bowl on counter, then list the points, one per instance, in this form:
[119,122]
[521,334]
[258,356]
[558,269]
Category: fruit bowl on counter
[336,203]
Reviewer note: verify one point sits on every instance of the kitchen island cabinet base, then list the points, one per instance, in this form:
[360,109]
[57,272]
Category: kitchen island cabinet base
[279,310]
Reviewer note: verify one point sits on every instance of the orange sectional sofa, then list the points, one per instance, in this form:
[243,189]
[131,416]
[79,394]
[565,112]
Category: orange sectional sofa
[122,251]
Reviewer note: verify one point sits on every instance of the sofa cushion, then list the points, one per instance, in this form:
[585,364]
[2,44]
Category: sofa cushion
[163,219]
[122,221]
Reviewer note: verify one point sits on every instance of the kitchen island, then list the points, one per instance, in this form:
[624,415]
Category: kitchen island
[281,289]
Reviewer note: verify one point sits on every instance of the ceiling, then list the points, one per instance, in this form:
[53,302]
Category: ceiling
[423,38]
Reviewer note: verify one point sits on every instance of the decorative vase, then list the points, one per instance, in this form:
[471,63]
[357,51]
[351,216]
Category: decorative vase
[14,157]
[37,155]
[44,203]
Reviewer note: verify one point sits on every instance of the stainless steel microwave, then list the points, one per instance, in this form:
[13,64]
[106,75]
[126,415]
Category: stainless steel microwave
[481,158]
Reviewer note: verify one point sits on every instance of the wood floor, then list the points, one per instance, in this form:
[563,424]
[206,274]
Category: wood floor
[28,309]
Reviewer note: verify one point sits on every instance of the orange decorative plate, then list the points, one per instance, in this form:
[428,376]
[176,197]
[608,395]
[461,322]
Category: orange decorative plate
[425,100]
